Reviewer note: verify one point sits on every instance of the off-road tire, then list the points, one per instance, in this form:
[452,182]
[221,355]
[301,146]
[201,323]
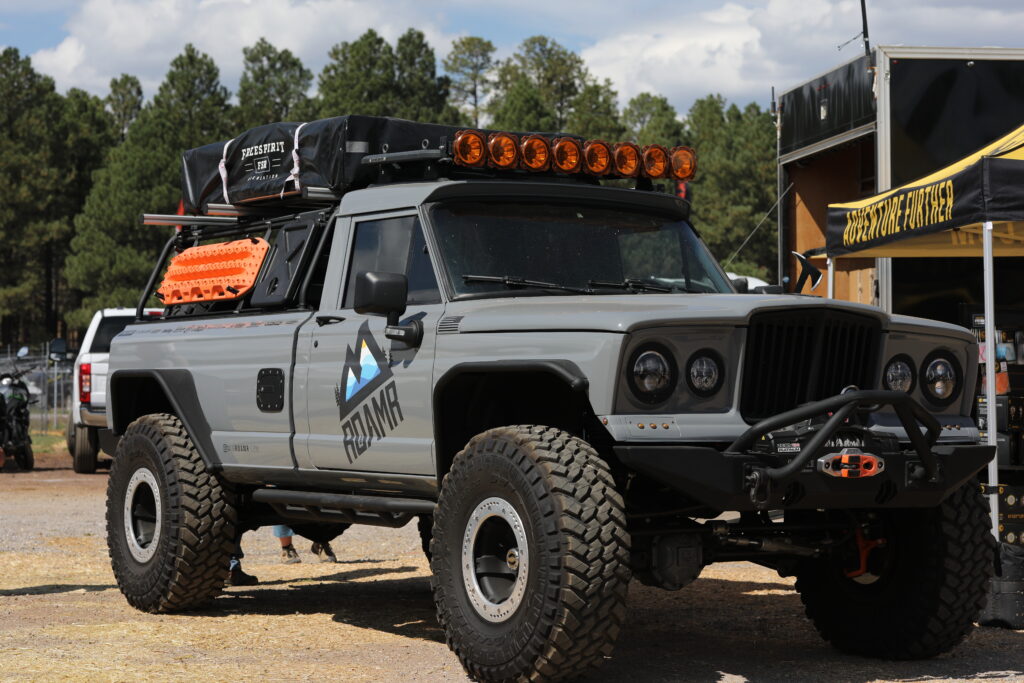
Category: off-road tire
[198,516]
[929,597]
[575,525]
[25,458]
[69,436]
[425,525]
[85,453]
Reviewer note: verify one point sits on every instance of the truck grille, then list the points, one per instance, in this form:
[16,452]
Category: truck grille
[793,357]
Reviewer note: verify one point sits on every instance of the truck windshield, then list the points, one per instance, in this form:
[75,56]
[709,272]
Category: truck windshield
[492,247]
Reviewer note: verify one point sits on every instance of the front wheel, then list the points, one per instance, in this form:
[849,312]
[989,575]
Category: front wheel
[911,586]
[170,523]
[530,556]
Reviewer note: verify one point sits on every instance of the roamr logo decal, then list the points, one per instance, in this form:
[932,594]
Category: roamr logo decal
[367,396]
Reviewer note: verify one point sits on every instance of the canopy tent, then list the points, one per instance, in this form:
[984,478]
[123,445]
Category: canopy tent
[974,207]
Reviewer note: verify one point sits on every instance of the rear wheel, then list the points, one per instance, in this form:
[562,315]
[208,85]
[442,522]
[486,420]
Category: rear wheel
[530,556]
[85,451]
[170,523]
[912,587]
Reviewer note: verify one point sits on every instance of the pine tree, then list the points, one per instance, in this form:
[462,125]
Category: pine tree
[111,254]
[49,147]
[468,65]
[651,120]
[521,109]
[358,79]
[595,113]
[422,95]
[273,86]
[735,183]
[555,74]
[124,102]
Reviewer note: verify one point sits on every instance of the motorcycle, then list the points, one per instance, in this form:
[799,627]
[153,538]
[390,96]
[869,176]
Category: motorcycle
[14,417]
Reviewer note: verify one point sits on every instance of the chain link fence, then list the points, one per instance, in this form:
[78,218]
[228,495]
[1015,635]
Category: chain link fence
[50,385]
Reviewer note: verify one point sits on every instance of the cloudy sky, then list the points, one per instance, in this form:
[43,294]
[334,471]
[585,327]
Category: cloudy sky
[683,49]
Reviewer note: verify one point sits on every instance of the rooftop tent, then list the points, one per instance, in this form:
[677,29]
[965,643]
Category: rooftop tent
[974,207]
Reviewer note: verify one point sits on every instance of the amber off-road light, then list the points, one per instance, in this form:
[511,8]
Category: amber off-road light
[627,159]
[469,148]
[502,150]
[536,152]
[568,155]
[597,157]
[655,161]
[684,163]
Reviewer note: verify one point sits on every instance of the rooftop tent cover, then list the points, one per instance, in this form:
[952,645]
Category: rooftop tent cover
[279,159]
[985,186]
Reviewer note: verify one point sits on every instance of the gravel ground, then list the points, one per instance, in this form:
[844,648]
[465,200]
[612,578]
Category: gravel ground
[370,617]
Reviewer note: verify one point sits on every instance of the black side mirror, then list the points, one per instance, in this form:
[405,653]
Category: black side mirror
[381,294]
[740,284]
[385,294]
[58,349]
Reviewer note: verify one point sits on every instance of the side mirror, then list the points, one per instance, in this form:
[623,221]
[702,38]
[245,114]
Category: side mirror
[381,294]
[58,349]
[808,271]
[385,294]
[740,284]
[22,352]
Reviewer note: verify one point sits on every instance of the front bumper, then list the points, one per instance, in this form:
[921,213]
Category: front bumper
[741,479]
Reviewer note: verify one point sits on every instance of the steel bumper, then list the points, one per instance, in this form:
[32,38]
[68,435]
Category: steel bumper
[740,479]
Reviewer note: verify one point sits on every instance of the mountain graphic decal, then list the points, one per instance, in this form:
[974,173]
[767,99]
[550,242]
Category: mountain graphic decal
[366,368]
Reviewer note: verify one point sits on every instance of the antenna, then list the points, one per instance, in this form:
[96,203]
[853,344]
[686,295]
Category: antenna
[864,22]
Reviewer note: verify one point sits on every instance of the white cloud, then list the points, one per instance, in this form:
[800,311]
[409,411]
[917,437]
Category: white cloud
[683,49]
[110,37]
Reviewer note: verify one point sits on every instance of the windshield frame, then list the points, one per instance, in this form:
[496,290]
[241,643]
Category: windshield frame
[447,283]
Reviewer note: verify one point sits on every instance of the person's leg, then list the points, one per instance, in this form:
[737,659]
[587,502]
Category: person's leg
[288,553]
[237,577]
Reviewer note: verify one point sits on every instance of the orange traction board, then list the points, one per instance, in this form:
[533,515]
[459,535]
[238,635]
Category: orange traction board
[213,272]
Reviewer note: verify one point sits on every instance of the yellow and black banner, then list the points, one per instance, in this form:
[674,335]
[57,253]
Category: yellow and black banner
[985,186]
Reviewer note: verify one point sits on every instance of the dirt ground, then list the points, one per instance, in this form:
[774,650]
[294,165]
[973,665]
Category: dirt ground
[370,617]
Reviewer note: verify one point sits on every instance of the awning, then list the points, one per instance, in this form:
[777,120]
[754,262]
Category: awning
[987,186]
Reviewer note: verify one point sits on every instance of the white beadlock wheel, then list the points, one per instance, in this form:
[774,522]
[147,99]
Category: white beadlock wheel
[143,515]
[495,559]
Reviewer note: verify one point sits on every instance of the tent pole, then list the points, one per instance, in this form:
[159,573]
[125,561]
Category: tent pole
[991,423]
[831,278]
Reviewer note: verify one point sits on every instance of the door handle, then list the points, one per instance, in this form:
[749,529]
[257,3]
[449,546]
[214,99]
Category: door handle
[322,320]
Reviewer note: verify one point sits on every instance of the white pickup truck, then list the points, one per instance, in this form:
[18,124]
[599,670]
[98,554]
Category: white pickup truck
[89,398]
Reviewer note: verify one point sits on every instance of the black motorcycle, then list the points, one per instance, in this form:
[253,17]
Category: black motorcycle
[14,426]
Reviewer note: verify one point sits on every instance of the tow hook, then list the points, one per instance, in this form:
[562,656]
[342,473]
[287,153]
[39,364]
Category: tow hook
[760,487]
[864,548]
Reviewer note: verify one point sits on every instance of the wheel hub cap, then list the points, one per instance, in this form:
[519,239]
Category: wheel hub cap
[495,559]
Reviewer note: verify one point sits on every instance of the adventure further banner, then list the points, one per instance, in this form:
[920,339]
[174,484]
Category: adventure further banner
[905,212]
[987,185]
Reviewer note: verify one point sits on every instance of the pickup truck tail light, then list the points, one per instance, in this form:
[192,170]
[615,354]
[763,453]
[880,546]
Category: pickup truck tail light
[85,382]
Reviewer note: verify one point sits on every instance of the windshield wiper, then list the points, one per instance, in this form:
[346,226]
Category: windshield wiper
[511,281]
[632,283]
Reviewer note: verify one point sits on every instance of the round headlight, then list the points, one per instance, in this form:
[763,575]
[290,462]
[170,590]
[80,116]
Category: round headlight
[704,373]
[653,374]
[899,375]
[940,377]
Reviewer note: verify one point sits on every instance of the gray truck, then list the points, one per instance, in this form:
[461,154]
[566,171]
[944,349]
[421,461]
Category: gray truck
[556,378]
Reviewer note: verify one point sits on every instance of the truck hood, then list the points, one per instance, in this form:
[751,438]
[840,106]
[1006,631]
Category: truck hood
[628,312]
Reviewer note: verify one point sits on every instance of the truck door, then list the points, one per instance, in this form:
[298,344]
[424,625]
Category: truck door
[368,399]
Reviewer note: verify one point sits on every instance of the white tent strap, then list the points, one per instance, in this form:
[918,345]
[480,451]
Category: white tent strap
[223,168]
[294,175]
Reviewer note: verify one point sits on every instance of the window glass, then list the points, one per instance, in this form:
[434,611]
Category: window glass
[393,245]
[107,330]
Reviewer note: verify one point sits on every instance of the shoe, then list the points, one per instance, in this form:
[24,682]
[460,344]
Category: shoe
[289,555]
[323,551]
[239,578]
